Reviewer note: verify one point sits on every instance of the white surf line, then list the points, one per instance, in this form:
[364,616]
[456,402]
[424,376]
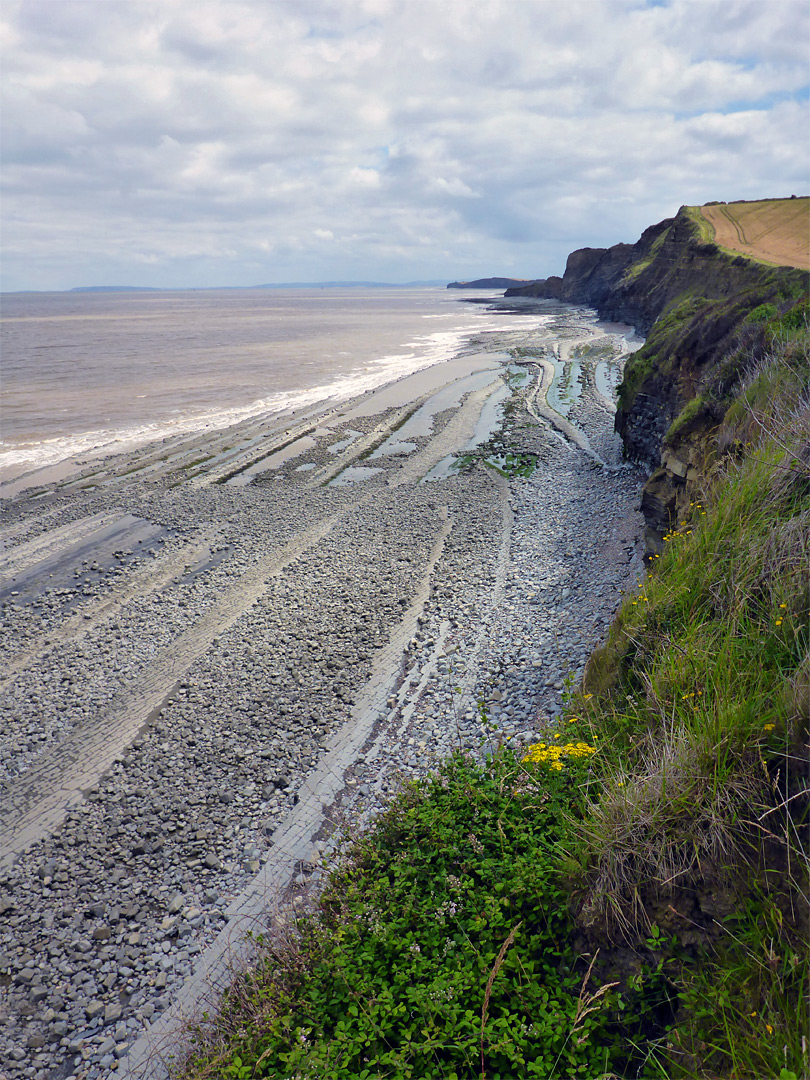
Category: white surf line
[252,911]
[315,416]
[34,804]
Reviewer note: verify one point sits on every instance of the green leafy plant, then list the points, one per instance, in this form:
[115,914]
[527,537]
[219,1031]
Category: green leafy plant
[442,946]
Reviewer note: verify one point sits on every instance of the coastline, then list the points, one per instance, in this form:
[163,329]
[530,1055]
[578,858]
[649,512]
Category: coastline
[221,662]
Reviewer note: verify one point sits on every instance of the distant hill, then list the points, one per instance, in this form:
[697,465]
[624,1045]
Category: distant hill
[114,288]
[492,283]
[348,284]
[268,285]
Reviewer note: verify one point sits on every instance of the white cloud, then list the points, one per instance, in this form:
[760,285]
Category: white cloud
[232,142]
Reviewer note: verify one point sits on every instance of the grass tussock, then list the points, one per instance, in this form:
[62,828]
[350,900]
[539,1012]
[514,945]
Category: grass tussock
[628,898]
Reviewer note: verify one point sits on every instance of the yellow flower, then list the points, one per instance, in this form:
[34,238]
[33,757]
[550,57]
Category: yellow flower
[768,727]
[778,622]
[554,755]
[783,605]
[769,1029]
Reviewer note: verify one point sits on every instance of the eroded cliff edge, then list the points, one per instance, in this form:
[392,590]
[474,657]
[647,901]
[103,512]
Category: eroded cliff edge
[708,315]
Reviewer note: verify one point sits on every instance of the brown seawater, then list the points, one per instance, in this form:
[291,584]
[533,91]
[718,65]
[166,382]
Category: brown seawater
[86,371]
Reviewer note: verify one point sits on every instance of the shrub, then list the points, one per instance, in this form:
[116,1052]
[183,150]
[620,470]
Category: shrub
[442,946]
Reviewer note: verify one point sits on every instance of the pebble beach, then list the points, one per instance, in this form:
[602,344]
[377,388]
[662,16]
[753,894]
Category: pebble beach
[223,650]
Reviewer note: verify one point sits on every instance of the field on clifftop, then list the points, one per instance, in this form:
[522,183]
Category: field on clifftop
[770,230]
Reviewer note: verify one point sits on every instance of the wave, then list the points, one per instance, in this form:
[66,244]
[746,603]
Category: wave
[18,456]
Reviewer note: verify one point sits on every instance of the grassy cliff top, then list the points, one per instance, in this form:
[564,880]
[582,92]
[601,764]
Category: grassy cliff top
[775,231]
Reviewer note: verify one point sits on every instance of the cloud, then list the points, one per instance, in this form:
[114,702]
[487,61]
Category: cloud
[229,142]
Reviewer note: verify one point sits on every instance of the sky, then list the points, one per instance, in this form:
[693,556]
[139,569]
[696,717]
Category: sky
[186,143]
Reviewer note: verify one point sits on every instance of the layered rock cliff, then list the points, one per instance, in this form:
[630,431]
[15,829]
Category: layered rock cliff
[705,313]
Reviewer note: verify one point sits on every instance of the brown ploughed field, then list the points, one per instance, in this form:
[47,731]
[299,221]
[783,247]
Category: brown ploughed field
[773,230]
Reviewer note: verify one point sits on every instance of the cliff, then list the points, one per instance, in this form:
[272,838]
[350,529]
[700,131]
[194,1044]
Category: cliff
[705,312]
[628,897]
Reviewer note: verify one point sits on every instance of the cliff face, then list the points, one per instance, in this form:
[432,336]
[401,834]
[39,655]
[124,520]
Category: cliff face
[694,302]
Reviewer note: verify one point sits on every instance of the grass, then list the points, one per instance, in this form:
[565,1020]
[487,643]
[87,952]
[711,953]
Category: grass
[702,690]
[688,413]
[705,229]
[656,353]
[628,898]
[640,265]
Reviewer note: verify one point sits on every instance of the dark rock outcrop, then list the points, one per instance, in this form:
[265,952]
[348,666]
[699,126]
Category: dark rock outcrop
[491,283]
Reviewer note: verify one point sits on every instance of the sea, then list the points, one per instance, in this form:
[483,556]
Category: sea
[105,372]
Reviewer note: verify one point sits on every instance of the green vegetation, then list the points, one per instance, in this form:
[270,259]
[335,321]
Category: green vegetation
[499,459]
[762,313]
[508,463]
[657,353]
[702,691]
[641,264]
[688,413]
[705,229]
[443,945]
[629,898]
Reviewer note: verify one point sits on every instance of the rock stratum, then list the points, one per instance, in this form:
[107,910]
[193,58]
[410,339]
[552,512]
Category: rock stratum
[705,310]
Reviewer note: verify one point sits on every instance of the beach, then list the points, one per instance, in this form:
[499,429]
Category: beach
[225,646]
